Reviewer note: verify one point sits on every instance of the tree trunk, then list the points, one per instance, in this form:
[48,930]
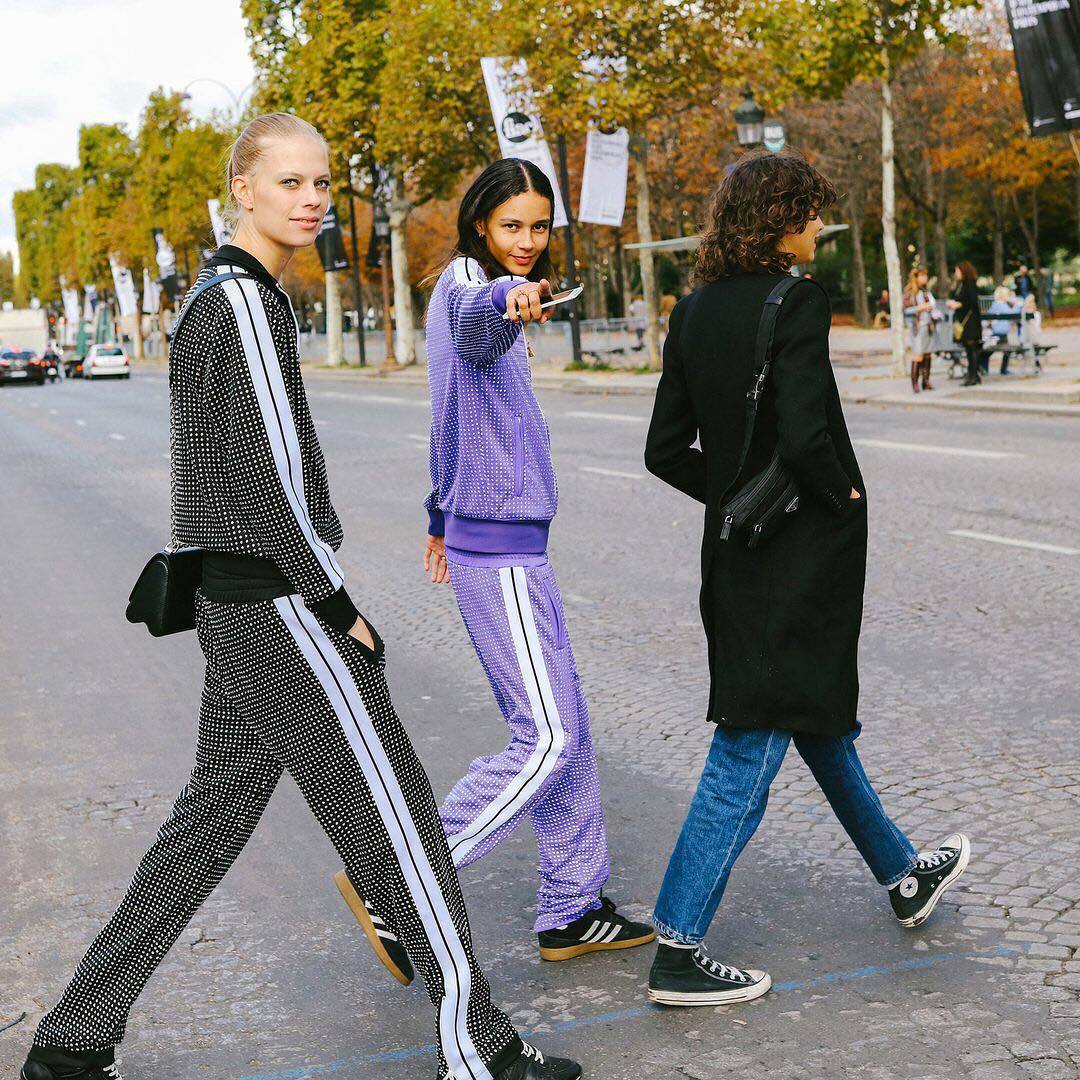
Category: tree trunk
[999,239]
[941,244]
[648,271]
[858,263]
[921,240]
[1030,229]
[888,225]
[405,341]
[335,342]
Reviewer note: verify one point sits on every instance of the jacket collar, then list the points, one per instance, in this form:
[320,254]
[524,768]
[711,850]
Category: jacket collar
[230,255]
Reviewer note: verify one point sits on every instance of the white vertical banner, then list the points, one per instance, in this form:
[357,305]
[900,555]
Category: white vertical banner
[151,294]
[603,181]
[125,287]
[90,292]
[221,230]
[517,121]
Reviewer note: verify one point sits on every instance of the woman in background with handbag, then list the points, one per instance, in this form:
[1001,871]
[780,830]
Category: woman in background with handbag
[294,674]
[747,371]
[967,320]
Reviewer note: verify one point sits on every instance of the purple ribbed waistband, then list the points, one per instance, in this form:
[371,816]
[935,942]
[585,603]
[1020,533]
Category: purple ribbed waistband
[496,537]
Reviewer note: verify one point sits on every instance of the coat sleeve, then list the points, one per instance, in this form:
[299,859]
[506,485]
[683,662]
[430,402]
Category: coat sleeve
[669,449]
[802,381]
[436,522]
[475,312]
[263,459]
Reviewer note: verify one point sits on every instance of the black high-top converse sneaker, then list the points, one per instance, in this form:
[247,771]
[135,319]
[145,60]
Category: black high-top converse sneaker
[917,895]
[686,976]
[532,1065]
[383,940]
[596,931]
[49,1063]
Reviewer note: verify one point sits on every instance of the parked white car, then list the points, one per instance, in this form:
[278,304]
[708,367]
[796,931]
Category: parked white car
[106,360]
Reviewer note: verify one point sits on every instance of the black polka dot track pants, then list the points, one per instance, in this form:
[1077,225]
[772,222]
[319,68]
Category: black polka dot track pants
[284,690]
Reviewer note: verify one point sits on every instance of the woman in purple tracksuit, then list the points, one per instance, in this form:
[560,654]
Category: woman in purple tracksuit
[494,495]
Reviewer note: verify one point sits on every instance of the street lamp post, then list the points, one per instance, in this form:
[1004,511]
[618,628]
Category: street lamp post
[382,234]
[749,121]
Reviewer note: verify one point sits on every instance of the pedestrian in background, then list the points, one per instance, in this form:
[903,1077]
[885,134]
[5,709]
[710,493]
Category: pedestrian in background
[881,319]
[1049,283]
[294,674]
[922,315]
[967,319]
[782,618]
[1024,285]
[1004,303]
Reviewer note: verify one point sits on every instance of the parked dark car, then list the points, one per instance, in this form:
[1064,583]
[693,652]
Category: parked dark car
[21,365]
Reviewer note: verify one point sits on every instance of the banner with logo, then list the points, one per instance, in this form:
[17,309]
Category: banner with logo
[151,294]
[603,181]
[1046,40]
[166,260]
[70,299]
[125,287]
[217,222]
[89,302]
[331,243]
[517,121]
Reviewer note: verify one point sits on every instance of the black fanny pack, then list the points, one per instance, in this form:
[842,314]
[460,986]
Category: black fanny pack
[768,501]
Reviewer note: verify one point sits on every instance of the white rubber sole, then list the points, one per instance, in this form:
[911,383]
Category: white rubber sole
[926,910]
[720,997]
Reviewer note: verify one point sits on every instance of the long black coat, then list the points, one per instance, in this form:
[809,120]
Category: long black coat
[783,619]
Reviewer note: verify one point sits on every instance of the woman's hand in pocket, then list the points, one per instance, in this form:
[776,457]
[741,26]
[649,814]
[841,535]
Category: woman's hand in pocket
[435,559]
[362,634]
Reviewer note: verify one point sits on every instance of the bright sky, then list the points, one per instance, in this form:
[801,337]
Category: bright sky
[67,63]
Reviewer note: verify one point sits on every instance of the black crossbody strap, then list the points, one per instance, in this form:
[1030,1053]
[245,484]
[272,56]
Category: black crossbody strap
[762,363]
[217,279]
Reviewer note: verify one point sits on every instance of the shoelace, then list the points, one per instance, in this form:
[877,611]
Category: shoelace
[531,1052]
[723,971]
[930,860]
[112,1072]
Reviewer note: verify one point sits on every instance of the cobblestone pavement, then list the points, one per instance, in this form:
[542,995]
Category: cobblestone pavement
[969,707]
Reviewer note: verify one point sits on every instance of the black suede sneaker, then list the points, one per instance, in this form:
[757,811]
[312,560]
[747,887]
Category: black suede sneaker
[686,976]
[51,1063]
[383,940]
[596,931]
[917,895]
[532,1065]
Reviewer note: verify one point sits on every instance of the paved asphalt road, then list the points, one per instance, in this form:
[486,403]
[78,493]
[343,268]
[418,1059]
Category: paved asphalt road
[970,721]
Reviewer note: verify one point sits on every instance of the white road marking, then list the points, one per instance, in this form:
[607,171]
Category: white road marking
[418,438]
[117,436]
[1035,545]
[611,472]
[925,448]
[626,417]
[81,423]
[54,412]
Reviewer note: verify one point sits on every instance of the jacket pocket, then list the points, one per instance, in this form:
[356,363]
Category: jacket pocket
[519,456]
[557,624]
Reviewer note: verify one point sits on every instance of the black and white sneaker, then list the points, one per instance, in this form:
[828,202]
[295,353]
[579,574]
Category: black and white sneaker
[917,895]
[686,976]
[48,1063]
[383,940]
[596,931]
[532,1065]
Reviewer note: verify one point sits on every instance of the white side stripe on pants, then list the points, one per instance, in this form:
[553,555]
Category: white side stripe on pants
[333,675]
[551,737]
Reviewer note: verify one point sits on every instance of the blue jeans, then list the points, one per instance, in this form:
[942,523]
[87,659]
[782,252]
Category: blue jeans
[728,807]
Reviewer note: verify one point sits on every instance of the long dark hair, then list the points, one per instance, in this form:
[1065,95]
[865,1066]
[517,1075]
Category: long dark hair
[760,200]
[500,181]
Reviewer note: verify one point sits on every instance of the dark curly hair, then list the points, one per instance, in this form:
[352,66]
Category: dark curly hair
[760,200]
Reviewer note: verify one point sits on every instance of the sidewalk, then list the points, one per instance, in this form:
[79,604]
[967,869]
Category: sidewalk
[864,374]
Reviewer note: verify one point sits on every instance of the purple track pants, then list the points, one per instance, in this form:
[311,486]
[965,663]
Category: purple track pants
[548,770]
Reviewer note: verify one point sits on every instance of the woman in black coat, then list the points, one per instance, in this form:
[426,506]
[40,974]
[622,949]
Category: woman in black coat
[782,618]
[966,315]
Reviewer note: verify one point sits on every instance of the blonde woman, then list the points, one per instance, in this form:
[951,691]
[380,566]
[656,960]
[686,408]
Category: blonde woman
[294,673]
[921,313]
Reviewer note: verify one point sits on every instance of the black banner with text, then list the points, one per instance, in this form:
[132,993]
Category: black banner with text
[1046,39]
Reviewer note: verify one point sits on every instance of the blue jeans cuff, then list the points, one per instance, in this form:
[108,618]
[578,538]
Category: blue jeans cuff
[666,931]
[899,877]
